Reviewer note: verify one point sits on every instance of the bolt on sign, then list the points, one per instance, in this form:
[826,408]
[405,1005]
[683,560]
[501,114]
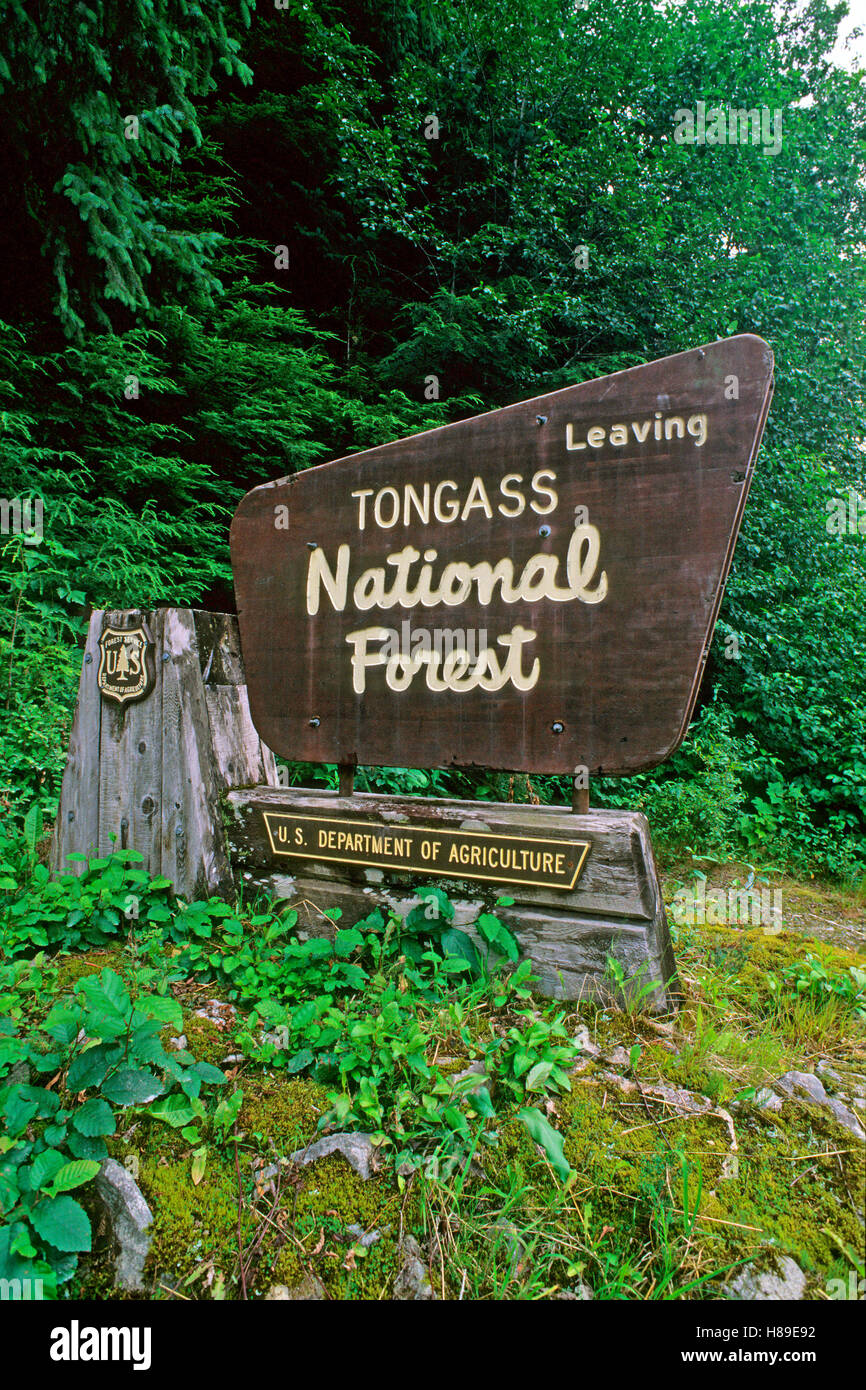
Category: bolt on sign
[534,589]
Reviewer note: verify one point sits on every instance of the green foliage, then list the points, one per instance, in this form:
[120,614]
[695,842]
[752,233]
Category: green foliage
[355,1009]
[813,979]
[71,910]
[102,1051]
[84,198]
[795,605]
[543,1133]
[698,796]
[534,1058]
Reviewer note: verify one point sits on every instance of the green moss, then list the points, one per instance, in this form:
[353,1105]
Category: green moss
[76,966]
[752,955]
[192,1224]
[196,1225]
[283,1110]
[793,1194]
[637,1176]
[206,1041]
[331,1196]
[687,1068]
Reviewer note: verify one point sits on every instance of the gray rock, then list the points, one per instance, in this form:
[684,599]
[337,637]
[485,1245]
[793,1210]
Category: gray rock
[363,1238]
[786,1284]
[844,1078]
[585,1043]
[830,1074]
[618,1058]
[357,1149]
[218,1012]
[846,1118]
[803,1085]
[310,1290]
[765,1099]
[411,1283]
[580,1293]
[128,1216]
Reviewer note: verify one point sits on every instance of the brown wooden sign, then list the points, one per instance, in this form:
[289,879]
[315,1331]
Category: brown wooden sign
[535,861]
[534,589]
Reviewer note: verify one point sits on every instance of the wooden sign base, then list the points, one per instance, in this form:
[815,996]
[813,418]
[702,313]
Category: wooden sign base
[162,728]
[585,887]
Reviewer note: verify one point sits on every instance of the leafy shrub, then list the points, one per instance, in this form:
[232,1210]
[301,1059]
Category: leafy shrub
[103,1052]
[812,979]
[39,912]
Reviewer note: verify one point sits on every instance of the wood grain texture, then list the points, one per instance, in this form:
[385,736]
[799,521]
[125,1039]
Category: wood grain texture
[149,775]
[77,826]
[615,909]
[619,677]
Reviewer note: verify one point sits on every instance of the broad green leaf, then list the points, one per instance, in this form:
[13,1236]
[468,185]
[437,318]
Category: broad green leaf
[347,940]
[43,1168]
[18,1260]
[549,1138]
[209,1074]
[481,1103]
[174,1110]
[94,1117]
[538,1075]
[106,993]
[11,1051]
[19,1110]
[457,944]
[62,1222]
[131,1086]
[63,1024]
[162,1007]
[83,1146]
[299,1060]
[90,1067]
[74,1174]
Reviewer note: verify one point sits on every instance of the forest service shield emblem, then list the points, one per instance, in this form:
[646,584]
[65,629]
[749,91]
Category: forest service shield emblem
[125,664]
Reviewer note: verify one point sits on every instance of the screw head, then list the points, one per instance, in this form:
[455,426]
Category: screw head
[315,722]
[557,727]
[544,531]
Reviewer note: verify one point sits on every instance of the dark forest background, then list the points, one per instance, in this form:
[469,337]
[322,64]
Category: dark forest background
[231,249]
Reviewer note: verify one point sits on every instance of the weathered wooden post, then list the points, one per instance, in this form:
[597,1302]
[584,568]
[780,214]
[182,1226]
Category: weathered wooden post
[161,731]
[532,590]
